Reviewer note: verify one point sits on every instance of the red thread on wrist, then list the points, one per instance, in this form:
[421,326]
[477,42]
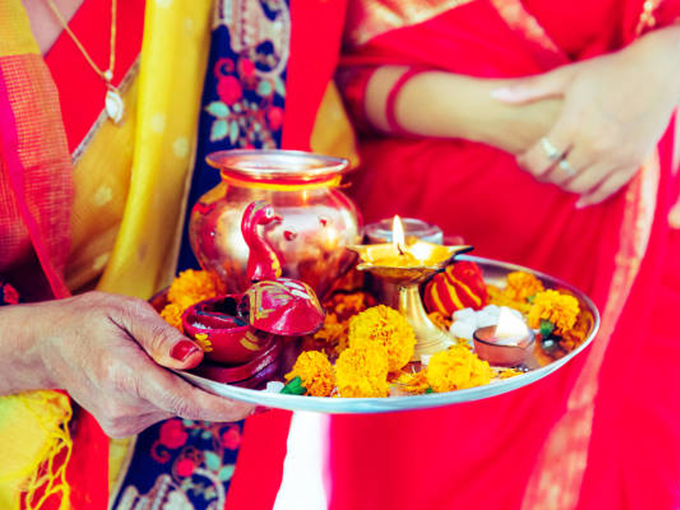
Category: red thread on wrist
[390,104]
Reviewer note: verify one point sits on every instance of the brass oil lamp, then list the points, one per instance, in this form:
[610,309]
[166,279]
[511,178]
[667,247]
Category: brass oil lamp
[407,264]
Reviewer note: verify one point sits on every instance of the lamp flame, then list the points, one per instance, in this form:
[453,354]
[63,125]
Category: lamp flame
[398,234]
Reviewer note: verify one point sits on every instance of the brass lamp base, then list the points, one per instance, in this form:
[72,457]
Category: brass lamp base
[429,338]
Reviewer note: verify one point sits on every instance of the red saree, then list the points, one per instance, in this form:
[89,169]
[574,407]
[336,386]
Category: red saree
[603,432]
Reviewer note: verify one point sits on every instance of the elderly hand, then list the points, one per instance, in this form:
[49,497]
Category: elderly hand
[615,110]
[105,350]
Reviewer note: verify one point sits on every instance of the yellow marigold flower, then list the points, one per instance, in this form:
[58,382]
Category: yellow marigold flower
[384,326]
[192,286]
[498,297]
[172,313]
[551,305]
[362,372]
[457,368]
[333,335]
[414,383]
[522,285]
[316,373]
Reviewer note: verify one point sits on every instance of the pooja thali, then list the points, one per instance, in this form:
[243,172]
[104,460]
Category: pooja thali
[535,367]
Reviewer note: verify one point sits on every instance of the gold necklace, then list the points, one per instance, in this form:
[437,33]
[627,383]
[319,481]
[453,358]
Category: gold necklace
[113,102]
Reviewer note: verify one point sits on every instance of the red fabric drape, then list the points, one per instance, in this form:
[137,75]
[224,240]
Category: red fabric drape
[483,454]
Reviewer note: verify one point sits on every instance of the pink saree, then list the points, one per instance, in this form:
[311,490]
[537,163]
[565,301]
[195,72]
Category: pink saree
[605,431]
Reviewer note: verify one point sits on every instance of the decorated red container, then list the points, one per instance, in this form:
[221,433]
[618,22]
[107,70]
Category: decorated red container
[318,220]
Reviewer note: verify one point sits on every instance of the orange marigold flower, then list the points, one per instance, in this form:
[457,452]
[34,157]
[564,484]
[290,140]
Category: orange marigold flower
[574,337]
[414,383]
[362,372]
[457,368]
[333,334]
[316,373]
[522,285]
[384,326]
[192,286]
[172,313]
[551,305]
[498,297]
[345,304]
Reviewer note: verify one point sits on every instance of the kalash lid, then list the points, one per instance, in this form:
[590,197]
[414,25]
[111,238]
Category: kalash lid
[284,307]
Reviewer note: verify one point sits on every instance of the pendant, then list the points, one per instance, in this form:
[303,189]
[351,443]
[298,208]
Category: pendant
[114,105]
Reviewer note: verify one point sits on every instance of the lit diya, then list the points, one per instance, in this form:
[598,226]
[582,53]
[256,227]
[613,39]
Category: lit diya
[506,344]
[407,265]
[241,333]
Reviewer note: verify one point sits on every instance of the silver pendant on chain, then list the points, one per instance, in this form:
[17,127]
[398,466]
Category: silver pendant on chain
[114,105]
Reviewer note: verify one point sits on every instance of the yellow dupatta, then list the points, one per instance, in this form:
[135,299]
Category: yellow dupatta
[34,426]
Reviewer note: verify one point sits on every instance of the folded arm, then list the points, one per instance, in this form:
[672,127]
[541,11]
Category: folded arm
[446,105]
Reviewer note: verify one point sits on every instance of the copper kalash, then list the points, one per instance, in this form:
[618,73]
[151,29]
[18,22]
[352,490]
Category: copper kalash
[244,334]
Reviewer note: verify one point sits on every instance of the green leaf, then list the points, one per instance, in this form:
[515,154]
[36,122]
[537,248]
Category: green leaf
[428,391]
[212,461]
[264,88]
[218,109]
[530,299]
[206,434]
[188,423]
[218,130]
[226,472]
[294,387]
[233,132]
[279,86]
[546,328]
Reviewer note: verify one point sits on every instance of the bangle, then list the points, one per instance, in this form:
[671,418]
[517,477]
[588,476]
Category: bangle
[390,104]
[8,294]
[353,84]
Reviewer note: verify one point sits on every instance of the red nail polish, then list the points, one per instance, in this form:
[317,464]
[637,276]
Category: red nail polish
[183,349]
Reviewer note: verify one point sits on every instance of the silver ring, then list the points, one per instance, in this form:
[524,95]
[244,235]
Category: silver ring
[550,150]
[566,167]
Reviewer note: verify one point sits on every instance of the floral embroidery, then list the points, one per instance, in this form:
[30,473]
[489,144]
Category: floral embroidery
[246,112]
[245,94]
[195,458]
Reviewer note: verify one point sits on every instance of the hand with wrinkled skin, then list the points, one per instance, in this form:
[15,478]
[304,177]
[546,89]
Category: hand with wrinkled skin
[615,109]
[108,352]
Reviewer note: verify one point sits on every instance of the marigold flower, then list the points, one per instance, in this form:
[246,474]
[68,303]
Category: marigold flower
[346,305]
[457,368]
[551,305]
[316,373]
[333,335]
[414,383]
[498,297]
[172,313]
[574,337]
[362,372]
[384,326]
[191,286]
[522,285]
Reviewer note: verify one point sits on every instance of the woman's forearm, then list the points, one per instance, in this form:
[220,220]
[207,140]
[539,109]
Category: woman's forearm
[445,105]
